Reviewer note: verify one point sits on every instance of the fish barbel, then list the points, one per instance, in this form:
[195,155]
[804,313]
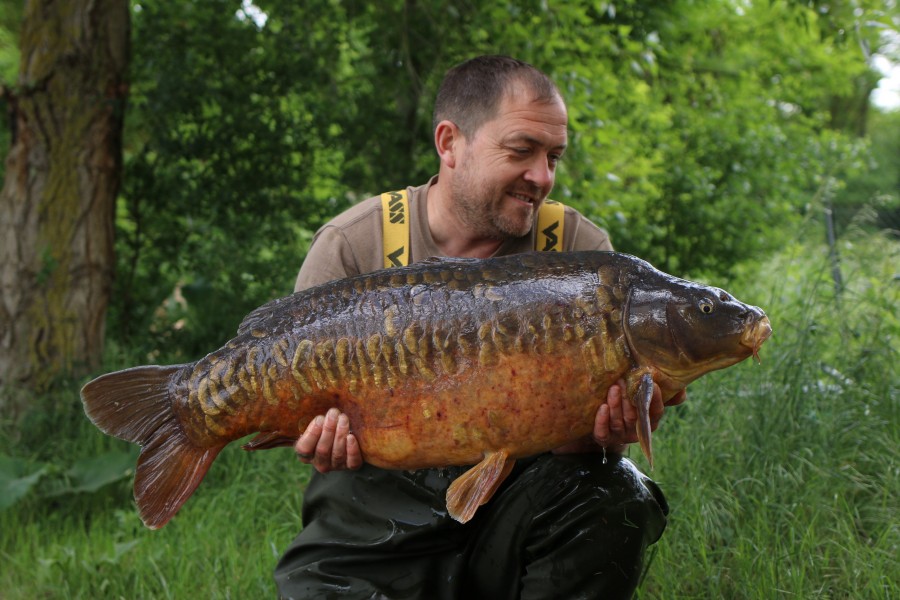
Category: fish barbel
[444,362]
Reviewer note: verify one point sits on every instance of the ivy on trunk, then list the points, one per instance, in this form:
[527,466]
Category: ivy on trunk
[57,204]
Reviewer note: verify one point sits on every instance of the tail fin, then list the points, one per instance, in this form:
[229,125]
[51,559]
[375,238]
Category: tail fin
[135,405]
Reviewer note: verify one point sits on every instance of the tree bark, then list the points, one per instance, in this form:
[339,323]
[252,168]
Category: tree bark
[57,205]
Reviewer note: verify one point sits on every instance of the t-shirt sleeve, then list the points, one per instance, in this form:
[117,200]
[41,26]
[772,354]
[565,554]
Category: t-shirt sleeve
[584,234]
[330,257]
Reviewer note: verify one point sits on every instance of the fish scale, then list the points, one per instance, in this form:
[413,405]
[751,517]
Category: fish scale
[443,363]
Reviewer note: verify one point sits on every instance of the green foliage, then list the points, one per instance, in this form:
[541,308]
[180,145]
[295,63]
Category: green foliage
[715,135]
[19,476]
[227,165]
[701,130]
[871,196]
[10,22]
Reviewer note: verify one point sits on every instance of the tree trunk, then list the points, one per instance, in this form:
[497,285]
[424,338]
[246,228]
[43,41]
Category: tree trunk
[57,206]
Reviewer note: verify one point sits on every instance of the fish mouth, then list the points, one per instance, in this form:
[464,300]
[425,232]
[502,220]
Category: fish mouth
[757,333]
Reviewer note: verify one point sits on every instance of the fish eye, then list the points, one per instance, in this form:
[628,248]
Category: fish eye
[706,306]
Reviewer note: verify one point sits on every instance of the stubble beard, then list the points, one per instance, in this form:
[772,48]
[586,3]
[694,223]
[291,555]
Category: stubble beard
[478,207]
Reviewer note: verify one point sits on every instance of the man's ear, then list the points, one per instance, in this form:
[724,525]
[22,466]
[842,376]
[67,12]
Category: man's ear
[448,141]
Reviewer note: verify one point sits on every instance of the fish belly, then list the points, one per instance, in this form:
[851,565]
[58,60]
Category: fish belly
[523,404]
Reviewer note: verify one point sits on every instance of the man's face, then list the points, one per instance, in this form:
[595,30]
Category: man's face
[508,167]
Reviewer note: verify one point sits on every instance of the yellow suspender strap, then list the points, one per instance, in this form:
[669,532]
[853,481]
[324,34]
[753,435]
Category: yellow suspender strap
[549,236]
[395,228]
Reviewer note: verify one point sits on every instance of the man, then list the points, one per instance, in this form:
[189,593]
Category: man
[573,523]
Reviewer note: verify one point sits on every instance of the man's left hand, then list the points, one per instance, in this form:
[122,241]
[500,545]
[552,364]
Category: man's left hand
[615,424]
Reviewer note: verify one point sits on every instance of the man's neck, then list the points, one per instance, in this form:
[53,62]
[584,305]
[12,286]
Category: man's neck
[450,234]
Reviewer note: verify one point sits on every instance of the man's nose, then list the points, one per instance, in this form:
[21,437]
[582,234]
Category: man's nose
[540,172]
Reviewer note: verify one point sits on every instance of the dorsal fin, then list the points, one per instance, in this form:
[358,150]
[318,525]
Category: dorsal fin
[260,314]
[436,260]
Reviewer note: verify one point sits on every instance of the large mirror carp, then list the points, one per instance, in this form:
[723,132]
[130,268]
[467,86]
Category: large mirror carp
[445,362]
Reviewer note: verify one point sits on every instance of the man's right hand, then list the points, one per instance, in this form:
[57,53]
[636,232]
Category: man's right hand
[328,445]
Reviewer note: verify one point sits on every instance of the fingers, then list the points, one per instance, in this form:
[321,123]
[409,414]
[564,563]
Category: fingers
[614,424]
[354,454]
[629,417]
[339,445]
[602,434]
[677,398]
[328,445]
[616,421]
[325,448]
[623,415]
[305,446]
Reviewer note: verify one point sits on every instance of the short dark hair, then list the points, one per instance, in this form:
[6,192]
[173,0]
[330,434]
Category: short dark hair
[472,91]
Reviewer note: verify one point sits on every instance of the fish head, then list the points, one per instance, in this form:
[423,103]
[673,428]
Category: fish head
[685,329]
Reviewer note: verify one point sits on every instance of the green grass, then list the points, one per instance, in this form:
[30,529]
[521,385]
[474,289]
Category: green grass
[783,479]
[223,544]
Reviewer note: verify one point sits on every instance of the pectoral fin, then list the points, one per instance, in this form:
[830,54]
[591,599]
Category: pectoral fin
[641,396]
[476,486]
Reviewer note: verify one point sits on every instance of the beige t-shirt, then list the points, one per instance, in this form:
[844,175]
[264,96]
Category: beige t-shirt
[351,243]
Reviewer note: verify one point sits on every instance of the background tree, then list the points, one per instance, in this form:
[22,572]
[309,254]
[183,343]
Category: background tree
[61,179]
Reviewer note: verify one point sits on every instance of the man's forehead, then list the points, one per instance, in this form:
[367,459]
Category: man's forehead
[539,122]
[520,93]
[559,141]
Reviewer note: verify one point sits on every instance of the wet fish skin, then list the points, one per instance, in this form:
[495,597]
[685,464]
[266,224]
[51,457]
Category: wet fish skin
[446,362]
